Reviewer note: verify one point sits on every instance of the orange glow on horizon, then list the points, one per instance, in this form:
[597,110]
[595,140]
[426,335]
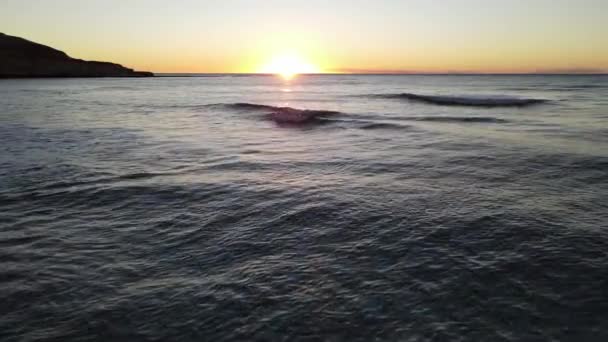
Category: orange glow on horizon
[288,65]
[288,38]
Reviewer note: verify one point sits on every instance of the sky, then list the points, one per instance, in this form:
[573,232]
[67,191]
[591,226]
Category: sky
[359,36]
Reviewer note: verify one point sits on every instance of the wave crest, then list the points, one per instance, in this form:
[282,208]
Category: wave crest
[468,101]
[284,114]
[471,119]
[383,125]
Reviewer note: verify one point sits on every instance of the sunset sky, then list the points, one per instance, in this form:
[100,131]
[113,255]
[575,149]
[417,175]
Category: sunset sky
[322,35]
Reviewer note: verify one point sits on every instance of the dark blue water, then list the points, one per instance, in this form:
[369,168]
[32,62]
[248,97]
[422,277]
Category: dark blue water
[400,208]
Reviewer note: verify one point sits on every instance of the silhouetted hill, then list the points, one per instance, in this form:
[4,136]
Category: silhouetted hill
[22,58]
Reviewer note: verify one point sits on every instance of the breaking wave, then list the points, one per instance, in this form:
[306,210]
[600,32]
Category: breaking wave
[283,114]
[261,107]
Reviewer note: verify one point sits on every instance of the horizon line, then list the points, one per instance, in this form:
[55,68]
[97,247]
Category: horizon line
[194,74]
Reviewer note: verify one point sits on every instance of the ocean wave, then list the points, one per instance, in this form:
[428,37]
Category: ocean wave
[287,115]
[257,107]
[382,125]
[575,88]
[468,101]
[471,119]
[245,106]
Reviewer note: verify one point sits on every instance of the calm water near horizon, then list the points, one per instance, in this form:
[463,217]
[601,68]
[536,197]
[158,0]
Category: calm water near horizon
[410,208]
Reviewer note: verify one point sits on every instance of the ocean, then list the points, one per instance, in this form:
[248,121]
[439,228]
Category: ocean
[392,208]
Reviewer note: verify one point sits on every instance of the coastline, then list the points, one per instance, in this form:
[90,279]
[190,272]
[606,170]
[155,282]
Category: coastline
[21,58]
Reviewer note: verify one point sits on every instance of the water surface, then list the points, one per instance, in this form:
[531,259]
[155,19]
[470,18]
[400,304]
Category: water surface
[456,208]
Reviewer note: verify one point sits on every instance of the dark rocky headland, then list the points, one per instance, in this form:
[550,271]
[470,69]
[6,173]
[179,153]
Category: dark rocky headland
[22,58]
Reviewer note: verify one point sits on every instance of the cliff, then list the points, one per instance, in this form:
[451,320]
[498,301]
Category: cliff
[22,58]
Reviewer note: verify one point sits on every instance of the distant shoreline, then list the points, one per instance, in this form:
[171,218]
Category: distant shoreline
[196,75]
[21,58]
[374,74]
[3,77]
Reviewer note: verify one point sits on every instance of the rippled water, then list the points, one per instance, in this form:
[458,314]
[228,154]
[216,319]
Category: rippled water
[401,208]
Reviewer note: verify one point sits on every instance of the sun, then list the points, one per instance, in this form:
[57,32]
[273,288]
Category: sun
[288,65]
